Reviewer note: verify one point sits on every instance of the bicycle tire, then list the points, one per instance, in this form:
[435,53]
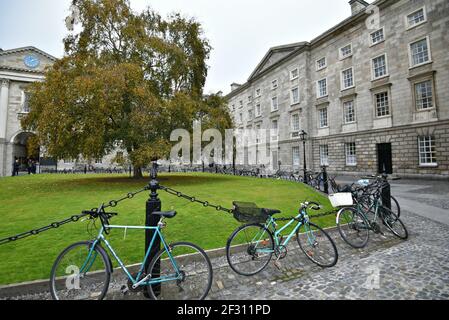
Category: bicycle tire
[343,234]
[56,280]
[387,217]
[309,254]
[248,251]
[191,265]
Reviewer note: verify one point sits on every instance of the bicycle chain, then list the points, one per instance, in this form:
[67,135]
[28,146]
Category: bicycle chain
[75,218]
[205,204]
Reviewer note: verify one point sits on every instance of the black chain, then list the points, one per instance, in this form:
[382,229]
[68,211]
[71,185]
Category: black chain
[205,204]
[75,218]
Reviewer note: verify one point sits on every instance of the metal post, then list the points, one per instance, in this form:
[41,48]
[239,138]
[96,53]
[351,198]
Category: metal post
[325,180]
[153,205]
[386,192]
[306,180]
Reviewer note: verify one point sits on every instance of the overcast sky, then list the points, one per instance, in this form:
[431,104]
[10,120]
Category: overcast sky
[240,31]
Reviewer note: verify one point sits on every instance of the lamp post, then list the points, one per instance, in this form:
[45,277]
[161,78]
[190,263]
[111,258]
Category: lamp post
[303,137]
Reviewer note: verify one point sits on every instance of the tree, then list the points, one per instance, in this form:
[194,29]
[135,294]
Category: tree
[127,80]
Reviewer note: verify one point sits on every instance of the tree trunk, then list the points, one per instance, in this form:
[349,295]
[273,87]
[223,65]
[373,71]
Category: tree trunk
[138,173]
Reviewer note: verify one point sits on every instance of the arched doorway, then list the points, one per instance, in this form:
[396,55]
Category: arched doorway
[22,151]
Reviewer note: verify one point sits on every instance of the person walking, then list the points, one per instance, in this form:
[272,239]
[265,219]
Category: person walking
[29,166]
[16,167]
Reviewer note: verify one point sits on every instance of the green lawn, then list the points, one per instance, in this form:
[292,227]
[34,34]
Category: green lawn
[34,201]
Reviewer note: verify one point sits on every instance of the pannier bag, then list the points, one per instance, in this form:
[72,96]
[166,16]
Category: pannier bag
[248,212]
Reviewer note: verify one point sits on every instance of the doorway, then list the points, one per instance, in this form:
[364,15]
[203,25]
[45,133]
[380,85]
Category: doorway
[385,158]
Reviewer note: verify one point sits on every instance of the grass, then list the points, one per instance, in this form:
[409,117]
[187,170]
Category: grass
[34,201]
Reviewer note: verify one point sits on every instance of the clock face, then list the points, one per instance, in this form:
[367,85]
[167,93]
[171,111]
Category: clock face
[31,61]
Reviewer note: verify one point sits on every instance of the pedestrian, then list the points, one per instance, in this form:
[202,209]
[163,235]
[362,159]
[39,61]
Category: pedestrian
[33,167]
[16,167]
[29,166]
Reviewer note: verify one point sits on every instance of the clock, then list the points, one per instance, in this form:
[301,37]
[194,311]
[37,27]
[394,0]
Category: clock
[31,61]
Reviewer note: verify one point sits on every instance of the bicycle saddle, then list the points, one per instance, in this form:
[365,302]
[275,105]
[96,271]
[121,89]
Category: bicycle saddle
[272,212]
[166,214]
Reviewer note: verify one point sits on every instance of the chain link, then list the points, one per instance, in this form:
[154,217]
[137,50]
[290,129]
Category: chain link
[205,204]
[75,218]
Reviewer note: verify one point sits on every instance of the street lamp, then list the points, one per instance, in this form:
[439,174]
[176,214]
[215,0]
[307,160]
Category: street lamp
[303,137]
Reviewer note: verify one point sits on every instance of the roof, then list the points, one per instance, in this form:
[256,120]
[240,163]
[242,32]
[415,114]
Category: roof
[30,48]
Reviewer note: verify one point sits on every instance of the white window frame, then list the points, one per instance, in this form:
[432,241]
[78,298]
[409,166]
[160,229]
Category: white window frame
[342,80]
[376,110]
[433,151]
[372,44]
[293,102]
[275,131]
[241,104]
[296,156]
[318,93]
[320,122]
[373,71]
[344,112]
[416,96]
[25,102]
[408,26]
[351,158]
[293,123]
[274,84]
[318,68]
[258,108]
[347,56]
[427,38]
[250,114]
[324,155]
[273,109]
[291,74]
[258,92]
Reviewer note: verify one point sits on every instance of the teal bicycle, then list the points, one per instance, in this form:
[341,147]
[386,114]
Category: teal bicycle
[252,246]
[180,271]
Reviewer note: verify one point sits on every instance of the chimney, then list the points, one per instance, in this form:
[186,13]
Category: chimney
[357,6]
[235,86]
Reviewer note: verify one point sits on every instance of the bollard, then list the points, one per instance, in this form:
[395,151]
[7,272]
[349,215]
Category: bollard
[153,205]
[325,180]
[386,192]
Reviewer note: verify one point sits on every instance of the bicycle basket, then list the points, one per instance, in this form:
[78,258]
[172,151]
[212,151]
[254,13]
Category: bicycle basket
[247,212]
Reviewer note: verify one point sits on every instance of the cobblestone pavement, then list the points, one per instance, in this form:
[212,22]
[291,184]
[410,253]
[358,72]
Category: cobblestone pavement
[387,268]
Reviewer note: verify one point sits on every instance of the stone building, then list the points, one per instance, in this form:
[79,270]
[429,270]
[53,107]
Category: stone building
[371,93]
[18,68]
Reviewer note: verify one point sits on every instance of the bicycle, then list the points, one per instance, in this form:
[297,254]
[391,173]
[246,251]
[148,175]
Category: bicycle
[253,245]
[354,223]
[180,271]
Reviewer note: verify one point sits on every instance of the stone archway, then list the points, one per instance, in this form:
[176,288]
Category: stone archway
[21,151]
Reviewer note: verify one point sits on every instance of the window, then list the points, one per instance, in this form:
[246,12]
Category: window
[321,64]
[349,111]
[416,18]
[419,52]
[258,93]
[346,51]
[377,36]
[250,99]
[324,155]
[294,94]
[424,95]
[250,114]
[322,88]
[294,74]
[382,104]
[296,155]
[241,117]
[233,107]
[274,84]
[26,104]
[379,67]
[323,118]
[258,110]
[427,151]
[99,161]
[351,154]
[295,123]
[241,103]
[274,104]
[274,132]
[347,79]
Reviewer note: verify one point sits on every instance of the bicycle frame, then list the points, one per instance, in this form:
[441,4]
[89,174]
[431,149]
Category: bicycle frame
[138,281]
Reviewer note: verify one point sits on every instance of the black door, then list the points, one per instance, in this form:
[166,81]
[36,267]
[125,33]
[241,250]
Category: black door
[385,158]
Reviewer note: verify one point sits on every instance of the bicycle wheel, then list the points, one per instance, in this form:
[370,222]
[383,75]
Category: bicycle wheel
[393,223]
[77,275]
[353,227]
[317,245]
[395,207]
[249,249]
[185,274]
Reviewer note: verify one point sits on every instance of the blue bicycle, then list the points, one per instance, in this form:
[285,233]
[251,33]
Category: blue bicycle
[180,271]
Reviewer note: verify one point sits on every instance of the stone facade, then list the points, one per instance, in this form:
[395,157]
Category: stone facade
[392,84]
